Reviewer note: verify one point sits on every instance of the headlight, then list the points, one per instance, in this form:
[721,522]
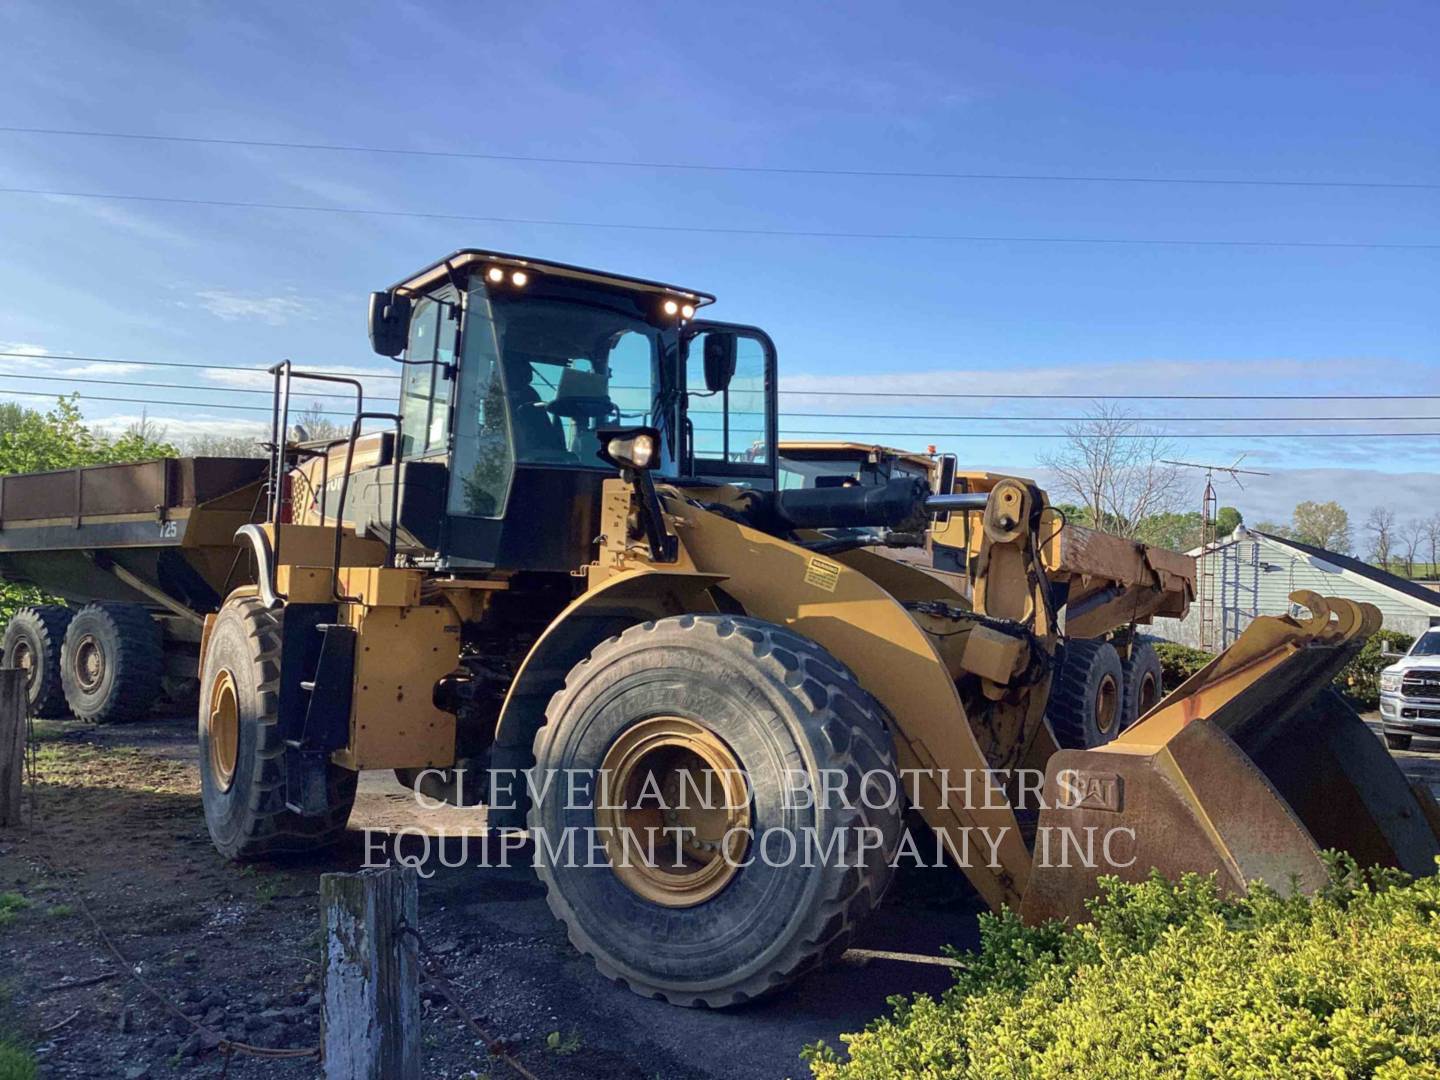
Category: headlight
[1390,682]
[630,448]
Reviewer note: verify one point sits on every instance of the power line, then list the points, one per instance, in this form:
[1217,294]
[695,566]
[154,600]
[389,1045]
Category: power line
[723,230]
[711,167]
[993,418]
[889,435]
[974,396]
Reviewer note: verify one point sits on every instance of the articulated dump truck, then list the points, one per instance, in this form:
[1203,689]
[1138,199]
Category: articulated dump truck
[562,579]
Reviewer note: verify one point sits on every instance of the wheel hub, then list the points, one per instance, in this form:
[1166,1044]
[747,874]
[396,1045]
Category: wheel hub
[222,725]
[89,664]
[673,811]
[1107,705]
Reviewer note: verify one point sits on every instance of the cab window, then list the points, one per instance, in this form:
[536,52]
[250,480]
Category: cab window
[729,430]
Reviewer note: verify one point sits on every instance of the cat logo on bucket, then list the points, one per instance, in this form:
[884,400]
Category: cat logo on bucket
[1081,790]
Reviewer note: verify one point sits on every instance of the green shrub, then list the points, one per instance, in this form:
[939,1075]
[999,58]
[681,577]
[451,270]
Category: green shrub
[1359,680]
[1179,662]
[15,1063]
[1176,980]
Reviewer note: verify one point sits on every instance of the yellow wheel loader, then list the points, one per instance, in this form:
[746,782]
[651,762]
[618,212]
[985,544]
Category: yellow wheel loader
[1100,686]
[563,579]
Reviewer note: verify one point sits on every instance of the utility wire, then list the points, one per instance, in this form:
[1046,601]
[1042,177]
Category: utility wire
[711,167]
[1008,418]
[896,436]
[724,230]
[807,393]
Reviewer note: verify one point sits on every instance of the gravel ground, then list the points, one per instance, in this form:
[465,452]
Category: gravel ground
[121,837]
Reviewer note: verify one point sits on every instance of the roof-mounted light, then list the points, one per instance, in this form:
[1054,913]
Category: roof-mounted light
[495,275]
[519,279]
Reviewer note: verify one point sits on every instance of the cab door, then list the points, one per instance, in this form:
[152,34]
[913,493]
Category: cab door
[730,400]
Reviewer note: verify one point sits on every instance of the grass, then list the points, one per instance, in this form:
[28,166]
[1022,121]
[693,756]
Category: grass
[563,1045]
[60,911]
[11,904]
[16,1063]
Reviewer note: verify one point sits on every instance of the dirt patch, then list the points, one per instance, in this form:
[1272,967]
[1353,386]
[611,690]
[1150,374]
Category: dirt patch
[236,949]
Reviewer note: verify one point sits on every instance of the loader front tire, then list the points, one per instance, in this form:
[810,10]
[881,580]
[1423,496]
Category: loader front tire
[242,754]
[1087,695]
[33,640]
[1144,682]
[701,695]
[112,663]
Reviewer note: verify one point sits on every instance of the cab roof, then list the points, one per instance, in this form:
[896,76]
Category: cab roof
[467,259]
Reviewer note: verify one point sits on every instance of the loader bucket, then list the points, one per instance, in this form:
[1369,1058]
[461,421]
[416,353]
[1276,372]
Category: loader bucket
[1248,770]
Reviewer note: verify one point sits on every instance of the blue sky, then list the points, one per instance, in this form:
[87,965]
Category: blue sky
[1316,91]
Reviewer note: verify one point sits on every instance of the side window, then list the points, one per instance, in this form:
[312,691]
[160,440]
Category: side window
[729,428]
[415,395]
[424,390]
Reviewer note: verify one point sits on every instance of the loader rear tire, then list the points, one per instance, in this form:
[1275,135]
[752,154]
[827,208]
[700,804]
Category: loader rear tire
[1087,695]
[112,663]
[242,755]
[1144,682]
[781,709]
[33,640]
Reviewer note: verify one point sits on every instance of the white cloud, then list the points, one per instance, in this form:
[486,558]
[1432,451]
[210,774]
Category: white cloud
[232,307]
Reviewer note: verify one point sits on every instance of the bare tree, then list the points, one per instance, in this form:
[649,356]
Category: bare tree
[1410,536]
[243,446]
[318,424]
[1381,527]
[1113,466]
[1432,534]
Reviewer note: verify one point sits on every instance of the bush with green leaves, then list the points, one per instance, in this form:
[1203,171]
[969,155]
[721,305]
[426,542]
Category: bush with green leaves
[1359,680]
[1174,979]
[1179,662]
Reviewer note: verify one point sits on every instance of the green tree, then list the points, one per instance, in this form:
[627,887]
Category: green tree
[1324,525]
[1275,528]
[32,441]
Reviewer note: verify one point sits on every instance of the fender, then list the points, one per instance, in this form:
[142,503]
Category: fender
[622,601]
[264,561]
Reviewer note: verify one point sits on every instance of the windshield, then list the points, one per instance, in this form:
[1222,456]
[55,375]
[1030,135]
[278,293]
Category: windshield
[834,471]
[1427,645]
[539,376]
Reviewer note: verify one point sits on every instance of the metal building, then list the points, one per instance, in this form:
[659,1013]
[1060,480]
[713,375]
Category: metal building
[1254,574]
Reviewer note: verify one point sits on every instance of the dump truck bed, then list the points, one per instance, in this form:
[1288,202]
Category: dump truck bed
[159,533]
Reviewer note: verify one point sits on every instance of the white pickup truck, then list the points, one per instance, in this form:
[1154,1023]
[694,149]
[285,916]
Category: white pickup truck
[1410,693]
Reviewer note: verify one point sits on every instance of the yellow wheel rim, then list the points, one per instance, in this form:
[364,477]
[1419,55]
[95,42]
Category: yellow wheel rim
[222,724]
[1107,705]
[680,847]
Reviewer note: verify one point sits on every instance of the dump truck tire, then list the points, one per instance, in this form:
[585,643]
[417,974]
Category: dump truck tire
[782,710]
[1144,682]
[1397,742]
[33,641]
[242,769]
[112,662]
[1087,695]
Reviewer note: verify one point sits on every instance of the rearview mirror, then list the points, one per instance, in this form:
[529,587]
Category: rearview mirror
[720,350]
[389,323]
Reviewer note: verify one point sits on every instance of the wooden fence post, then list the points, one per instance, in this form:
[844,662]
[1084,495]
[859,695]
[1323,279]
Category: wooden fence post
[371,1016]
[12,744]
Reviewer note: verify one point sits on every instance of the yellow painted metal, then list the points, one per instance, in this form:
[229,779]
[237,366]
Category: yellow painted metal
[400,654]
[222,724]
[381,586]
[673,811]
[864,627]
[1268,644]
[305,584]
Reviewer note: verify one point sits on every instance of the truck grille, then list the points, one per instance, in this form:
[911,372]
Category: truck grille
[1421,685]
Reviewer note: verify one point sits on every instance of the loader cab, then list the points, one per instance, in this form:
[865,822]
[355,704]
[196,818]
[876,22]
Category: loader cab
[511,368]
